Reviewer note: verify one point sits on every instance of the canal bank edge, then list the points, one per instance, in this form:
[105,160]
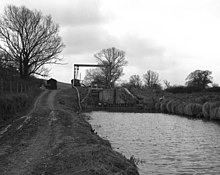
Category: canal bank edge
[208,110]
[90,153]
[204,105]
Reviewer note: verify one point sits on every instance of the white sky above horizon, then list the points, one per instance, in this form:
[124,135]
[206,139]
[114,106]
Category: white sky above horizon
[170,37]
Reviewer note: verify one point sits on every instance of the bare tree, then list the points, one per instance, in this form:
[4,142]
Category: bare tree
[113,60]
[94,76]
[167,83]
[151,79]
[135,81]
[30,39]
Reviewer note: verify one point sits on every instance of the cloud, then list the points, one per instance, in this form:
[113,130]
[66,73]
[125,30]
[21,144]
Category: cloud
[146,54]
[78,12]
[90,39]
[140,47]
[68,12]
[142,54]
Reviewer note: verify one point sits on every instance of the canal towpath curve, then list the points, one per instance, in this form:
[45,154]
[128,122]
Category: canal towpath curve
[53,139]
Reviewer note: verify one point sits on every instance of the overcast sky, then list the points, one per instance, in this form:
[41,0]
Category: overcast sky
[171,37]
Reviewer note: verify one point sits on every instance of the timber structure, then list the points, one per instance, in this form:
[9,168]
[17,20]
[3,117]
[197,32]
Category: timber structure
[75,81]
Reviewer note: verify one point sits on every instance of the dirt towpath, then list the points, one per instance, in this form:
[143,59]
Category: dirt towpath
[53,139]
[25,142]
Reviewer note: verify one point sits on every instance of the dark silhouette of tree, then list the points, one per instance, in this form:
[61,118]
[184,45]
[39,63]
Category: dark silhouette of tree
[30,39]
[199,78]
[215,84]
[167,83]
[6,67]
[151,79]
[94,76]
[113,61]
[135,81]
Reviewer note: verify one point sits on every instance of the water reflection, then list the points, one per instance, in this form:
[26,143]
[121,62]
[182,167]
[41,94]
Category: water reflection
[164,144]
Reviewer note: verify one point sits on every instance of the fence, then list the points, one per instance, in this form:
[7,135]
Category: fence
[14,86]
[136,108]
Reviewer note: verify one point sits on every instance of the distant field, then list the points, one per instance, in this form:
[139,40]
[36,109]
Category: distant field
[61,85]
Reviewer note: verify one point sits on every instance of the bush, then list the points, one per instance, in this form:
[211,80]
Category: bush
[201,100]
[11,104]
[183,89]
[14,104]
[213,89]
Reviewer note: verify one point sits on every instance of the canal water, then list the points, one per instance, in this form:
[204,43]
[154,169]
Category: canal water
[162,144]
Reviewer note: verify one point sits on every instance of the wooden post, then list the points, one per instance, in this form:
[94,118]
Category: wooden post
[21,87]
[25,90]
[17,88]
[114,97]
[10,86]
[2,86]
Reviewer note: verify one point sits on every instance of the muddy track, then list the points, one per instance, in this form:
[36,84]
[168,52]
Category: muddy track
[54,140]
[27,140]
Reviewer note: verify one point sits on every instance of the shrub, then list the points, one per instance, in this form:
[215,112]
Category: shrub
[201,100]
[213,89]
[12,104]
[183,89]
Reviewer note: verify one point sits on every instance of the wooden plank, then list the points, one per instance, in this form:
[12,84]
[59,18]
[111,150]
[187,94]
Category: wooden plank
[88,65]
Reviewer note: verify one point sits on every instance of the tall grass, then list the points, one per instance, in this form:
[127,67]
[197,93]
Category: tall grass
[14,104]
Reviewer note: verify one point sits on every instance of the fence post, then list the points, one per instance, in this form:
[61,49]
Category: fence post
[10,86]
[21,87]
[17,87]
[2,86]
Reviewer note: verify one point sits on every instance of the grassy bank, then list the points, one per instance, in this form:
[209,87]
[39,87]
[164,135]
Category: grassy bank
[196,105]
[16,104]
[83,151]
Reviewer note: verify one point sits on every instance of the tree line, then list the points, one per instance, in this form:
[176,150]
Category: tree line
[197,80]
[30,40]
[114,61]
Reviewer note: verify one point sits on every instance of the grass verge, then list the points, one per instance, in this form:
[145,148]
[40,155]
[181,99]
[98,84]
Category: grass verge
[16,104]
[77,149]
